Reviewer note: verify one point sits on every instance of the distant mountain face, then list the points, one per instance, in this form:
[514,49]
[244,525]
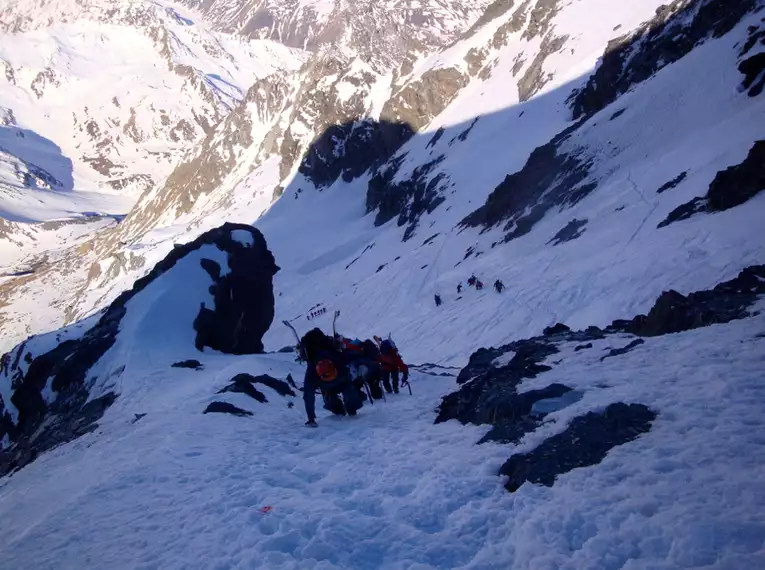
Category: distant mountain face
[123,88]
[368,25]
[437,119]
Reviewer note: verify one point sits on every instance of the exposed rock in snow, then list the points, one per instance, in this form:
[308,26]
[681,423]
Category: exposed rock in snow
[492,385]
[585,442]
[225,408]
[244,296]
[52,395]
[674,312]
[730,188]
[571,231]
[675,30]
[193,364]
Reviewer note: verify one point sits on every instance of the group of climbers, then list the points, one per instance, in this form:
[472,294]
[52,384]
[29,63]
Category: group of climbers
[316,313]
[473,281]
[357,370]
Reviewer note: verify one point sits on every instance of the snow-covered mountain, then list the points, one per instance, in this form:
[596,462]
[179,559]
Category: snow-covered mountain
[603,161]
[100,100]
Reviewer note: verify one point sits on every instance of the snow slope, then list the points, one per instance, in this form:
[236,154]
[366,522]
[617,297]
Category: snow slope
[389,489]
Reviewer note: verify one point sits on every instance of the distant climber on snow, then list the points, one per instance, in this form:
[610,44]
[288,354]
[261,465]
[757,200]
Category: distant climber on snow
[478,285]
[391,364]
[498,286]
[326,370]
[459,288]
[472,280]
[437,298]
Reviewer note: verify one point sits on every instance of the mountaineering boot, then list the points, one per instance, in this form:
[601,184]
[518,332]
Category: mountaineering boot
[311,423]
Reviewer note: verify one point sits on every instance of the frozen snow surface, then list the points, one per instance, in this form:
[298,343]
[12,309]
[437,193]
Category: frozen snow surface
[388,489]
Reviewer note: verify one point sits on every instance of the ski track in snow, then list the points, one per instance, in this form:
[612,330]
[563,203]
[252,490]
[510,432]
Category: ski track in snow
[389,489]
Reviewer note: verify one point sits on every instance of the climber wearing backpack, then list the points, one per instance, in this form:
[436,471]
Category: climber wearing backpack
[362,364]
[391,364]
[327,370]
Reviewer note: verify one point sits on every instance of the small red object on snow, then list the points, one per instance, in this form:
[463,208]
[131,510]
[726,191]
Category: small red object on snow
[266,509]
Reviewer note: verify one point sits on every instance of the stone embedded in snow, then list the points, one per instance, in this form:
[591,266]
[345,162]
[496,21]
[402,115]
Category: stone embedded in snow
[226,408]
[194,364]
[624,350]
[585,442]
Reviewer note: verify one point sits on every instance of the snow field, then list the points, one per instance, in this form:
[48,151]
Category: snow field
[389,489]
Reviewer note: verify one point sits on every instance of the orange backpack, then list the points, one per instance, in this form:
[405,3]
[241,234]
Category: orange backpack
[326,370]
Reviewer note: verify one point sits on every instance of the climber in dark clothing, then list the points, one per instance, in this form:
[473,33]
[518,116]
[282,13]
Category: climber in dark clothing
[459,288]
[327,370]
[498,286]
[391,364]
[438,300]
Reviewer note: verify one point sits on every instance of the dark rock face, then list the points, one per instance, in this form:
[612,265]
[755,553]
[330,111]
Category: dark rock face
[408,199]
[244,297]
[730,188]
[550,178]
[350,149]
[624,350]
[226,408]
[585,442]
[571,231]
[244,303]
[674,312]
[672,183]
[753,67]
[673,32]
[489,393]
[64,369]
[557,328]
[193,364]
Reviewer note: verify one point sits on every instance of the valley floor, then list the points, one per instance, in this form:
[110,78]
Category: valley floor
[389,489]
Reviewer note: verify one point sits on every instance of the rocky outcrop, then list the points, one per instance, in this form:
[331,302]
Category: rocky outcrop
[424,98]
[672,183]
[554,175]
[490,395]
[244,296]
[350,149]
[569,232]
[585,442]
[730,188]
[246,384]
[671,34]
[226,408]
[408,199]
[674,312]
[54,395]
